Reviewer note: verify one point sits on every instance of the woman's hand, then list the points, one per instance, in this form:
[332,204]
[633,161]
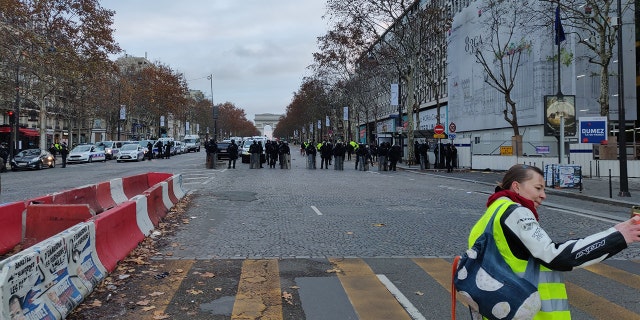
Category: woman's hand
[630,229]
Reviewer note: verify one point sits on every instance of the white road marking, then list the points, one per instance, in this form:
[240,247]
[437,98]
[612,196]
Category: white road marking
[406,304]
[316,210]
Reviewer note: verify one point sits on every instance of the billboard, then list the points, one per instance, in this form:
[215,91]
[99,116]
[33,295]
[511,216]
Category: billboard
[557,108]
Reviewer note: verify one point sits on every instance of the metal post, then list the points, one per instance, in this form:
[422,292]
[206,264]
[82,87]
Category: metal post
[610,186]
[622,137]
[400,113]
[16,117]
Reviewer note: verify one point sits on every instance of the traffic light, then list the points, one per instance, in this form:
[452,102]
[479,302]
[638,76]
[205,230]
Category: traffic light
[11,115]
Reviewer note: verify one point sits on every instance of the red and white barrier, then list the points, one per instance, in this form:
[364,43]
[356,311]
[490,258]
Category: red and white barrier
[46,220]
[10,225]
[155,205]
[117,233]
[117,191]
[51,278]
[143,216]
[47,280]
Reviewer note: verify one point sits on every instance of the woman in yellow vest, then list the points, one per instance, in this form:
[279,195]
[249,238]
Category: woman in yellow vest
[518,236]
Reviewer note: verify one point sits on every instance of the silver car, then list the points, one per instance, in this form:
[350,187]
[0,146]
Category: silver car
[130,152]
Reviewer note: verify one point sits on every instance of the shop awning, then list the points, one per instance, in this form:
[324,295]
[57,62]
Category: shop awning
[24,131]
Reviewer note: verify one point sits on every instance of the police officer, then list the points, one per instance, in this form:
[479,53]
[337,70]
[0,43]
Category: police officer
[338,154]
[395,153]
[232,150]
[64,151]
[311,155]
[149,150]
[212,153]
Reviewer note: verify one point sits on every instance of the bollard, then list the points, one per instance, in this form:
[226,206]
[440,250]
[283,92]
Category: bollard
[610,187]
[580,181]
[590,172]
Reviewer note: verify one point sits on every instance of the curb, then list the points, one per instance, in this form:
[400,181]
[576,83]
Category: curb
[568,194]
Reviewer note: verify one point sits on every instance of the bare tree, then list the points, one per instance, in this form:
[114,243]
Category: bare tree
[498,56]
[395,33]
[593,24]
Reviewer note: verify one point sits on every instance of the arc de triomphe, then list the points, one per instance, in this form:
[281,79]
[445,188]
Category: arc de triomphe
[263,120]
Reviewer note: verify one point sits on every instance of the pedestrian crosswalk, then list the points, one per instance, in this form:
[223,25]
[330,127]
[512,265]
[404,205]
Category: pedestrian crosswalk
[350,288]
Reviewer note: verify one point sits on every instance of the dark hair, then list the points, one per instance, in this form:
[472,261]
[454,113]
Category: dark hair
[519,173]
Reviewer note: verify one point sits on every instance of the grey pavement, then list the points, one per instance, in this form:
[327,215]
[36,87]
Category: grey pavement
[597,189]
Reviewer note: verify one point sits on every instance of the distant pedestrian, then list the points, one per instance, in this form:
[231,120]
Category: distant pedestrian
[447,157]
[325,155]
[436,153]
[4,155]
[284,154]
[272,154]
[64,151]
[167,149]
[254,151]
[232,150]
[424,155]
[160,150]
[395,154]
[383,155]
[338,156]
[149,153]
[454,156]
[310,150]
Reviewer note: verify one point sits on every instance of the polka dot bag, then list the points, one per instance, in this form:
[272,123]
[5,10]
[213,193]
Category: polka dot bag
[486,283]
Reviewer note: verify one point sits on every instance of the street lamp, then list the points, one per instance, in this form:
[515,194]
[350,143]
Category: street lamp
[214,110]
[16,117]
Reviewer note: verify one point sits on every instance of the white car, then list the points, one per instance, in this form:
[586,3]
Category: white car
[86,153]
[130,152]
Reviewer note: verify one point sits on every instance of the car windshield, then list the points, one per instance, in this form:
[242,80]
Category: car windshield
[127,147]
[30,152]
[82,148]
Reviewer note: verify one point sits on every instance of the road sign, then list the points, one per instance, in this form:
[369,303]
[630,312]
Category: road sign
[452,136]
[439,136]
[452,128]
[438,129]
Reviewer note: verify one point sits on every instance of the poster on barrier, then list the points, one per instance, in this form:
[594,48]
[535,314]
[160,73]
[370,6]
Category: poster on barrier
[83,264]
[21,281]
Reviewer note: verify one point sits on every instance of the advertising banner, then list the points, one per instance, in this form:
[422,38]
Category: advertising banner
[556,109]
[593,129]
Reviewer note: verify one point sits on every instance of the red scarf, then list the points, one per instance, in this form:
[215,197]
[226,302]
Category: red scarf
[515,198]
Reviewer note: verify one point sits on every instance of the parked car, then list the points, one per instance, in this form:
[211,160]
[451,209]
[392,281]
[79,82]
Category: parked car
[33,159]
[164,143]
[192,142]
[143,144]
[86,153]
[130,152]
[179,147]
[222,150]
[110,148]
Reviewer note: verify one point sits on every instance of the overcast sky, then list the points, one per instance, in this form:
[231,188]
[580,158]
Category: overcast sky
[257,50]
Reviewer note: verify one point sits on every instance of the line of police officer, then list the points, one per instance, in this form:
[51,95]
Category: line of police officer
[386,154]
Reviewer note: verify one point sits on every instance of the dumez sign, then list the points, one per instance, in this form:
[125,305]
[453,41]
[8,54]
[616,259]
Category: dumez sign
[593,129]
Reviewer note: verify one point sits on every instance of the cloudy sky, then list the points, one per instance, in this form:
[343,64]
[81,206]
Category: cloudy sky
[257,50]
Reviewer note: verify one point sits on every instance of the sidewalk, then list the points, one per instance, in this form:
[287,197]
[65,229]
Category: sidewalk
[593,189]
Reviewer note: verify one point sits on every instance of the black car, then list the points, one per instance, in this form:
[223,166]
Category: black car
[222,150]
[33,159]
